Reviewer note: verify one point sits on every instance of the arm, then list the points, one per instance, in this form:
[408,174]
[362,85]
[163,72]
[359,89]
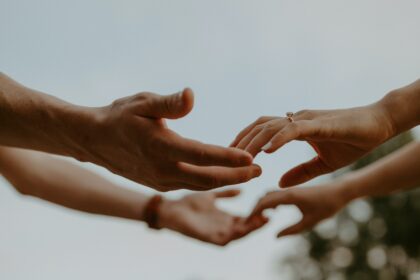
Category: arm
[34,120]
[339,137]
[60,182]
[396,172]
[128,137]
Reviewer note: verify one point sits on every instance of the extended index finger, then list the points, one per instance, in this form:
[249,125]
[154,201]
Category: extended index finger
[272,200]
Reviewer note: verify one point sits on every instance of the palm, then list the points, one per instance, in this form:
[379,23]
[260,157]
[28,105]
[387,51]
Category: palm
[197,216]
[313,202]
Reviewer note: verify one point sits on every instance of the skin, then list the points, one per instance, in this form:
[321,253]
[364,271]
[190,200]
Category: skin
[128,137]
[60,182]
[339,137]
[396,172]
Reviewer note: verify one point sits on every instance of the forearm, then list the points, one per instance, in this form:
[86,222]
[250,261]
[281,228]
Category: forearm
[34,120]
[398,171]
[403,107]
[66,184]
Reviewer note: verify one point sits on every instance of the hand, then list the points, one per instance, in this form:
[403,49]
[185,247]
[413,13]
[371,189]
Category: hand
[131,139]
[197,216]
[315,203]
[339,137]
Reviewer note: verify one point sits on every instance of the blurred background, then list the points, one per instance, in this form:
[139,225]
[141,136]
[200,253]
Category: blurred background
[243,59]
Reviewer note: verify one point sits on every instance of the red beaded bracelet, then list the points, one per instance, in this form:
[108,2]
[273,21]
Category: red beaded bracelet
[151,211]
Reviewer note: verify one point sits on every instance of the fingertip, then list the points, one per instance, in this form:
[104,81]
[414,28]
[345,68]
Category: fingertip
[285,182]
[258,170]
[267,147]
[188,92]
[282,183]
[273,147]
[265,219]
[188,99]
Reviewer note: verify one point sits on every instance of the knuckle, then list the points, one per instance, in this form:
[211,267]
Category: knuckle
[263,119]
[259,127]
[278,137]
[167,105]
[294,127]
[305,113]
[270,128]
[202,154]
[260,119]
[141,96]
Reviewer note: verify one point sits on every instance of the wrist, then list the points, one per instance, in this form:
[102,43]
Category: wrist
[158,212]
[402,107]
[166,213]
[346,188]
[78,128]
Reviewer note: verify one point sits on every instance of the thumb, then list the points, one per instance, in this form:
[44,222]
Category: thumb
[172,106]
[304,172]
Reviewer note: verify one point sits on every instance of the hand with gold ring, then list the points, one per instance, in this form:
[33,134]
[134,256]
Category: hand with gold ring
[339,137]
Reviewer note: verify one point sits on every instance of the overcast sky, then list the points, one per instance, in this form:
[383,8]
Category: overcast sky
[242,58]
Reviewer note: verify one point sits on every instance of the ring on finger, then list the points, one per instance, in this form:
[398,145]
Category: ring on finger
[289,116]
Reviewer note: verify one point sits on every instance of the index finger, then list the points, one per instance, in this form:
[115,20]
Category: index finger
[248,129]
[243,226]
[272,200]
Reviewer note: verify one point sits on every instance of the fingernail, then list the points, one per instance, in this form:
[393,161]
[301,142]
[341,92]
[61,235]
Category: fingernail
[179,93]
[267,146]
[258,171]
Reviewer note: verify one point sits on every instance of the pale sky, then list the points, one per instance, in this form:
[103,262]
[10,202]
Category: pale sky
[243,59]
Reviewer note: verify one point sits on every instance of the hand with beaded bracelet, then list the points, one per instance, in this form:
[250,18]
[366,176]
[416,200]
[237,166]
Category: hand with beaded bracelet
[43,176]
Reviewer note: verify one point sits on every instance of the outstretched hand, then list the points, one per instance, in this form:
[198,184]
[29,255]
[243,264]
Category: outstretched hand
[315,203]
[339,137]
[131,139]
[198,217]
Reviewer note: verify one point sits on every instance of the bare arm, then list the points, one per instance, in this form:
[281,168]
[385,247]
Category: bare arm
[61,182]
[128,137]
[35,120]
[398,171]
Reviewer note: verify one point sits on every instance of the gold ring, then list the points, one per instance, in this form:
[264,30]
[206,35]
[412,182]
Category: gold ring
[289,116]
